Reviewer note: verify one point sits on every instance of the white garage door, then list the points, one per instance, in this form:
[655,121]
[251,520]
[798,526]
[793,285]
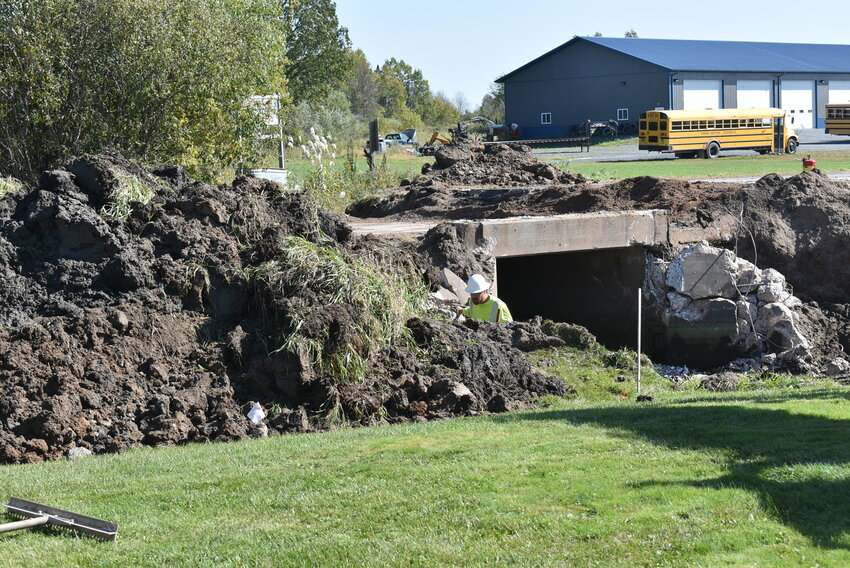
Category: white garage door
[701,94]
[798,99]
[755,94]
[839,91]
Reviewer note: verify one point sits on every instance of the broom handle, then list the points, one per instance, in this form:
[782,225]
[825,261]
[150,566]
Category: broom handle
[33,522]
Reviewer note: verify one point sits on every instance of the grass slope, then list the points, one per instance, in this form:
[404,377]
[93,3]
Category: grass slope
[690,479]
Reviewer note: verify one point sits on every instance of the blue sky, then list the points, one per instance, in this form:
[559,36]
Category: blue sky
[463,45]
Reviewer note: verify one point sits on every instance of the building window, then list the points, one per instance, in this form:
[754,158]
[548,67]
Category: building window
[622,114]
[545,118]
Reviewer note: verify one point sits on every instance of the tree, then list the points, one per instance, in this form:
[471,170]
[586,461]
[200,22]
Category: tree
[316,48]
[392,95]
[493,103]
[361,86]
[155,81]
[630,33]
[460,102]
[440,111]
[417,90]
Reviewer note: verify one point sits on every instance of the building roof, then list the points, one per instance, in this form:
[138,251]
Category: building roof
[734,56]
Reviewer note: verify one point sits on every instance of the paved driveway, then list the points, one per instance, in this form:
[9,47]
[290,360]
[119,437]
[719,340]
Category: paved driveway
[811,140]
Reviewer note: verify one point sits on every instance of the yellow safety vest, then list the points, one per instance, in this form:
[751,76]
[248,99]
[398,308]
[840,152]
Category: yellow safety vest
[493,310]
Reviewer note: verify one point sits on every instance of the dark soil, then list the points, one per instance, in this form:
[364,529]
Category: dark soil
[151,331]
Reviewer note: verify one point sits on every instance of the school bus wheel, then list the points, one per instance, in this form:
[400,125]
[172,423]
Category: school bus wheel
[712,150]
[791,147]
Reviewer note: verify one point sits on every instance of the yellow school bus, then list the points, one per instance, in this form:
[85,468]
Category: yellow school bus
[704,133]
[838,118]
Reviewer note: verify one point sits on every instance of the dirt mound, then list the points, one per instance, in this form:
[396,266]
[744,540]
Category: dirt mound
[684,199]
[799,226]
[466,164]
[143,308]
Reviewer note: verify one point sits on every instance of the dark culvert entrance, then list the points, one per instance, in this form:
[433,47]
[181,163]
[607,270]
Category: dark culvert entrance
[598,290]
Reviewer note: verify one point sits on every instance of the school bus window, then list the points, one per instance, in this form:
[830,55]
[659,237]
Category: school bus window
[702,124]
[663,125]
[677,125]
[643,125]
[653,125]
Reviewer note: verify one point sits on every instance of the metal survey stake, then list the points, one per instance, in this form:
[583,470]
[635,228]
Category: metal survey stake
[638,339]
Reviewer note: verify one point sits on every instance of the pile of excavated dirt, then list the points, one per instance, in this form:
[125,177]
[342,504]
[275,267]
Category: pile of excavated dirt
[684,199]
[466,164]
[166,327]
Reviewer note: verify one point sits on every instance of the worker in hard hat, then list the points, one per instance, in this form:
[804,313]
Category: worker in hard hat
[483,305]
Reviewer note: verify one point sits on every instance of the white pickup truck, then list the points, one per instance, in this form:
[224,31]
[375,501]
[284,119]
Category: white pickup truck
[403,138]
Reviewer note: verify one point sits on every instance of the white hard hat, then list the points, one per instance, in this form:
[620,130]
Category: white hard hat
[476,284]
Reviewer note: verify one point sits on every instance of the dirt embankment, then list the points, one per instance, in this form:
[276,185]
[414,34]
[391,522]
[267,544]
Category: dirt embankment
[799,226]
[164,327]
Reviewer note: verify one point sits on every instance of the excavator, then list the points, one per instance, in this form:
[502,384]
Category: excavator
[428,148]
[495,132]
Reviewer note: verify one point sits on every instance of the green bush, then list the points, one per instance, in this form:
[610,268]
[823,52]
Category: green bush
[155,81]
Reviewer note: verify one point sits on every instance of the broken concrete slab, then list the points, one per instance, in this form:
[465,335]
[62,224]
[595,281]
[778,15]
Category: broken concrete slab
[704,309]
[454,284]
[703,271]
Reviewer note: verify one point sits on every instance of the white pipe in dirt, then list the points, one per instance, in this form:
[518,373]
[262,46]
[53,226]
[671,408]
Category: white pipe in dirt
[638,338]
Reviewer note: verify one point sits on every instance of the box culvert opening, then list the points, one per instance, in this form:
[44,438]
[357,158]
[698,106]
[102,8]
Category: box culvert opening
[598,290]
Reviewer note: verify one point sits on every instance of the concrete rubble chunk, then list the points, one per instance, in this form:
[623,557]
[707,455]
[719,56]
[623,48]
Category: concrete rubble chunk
[713,311]
[712,300]
[703,271]
[838,366]
[454,284]
[747,310]
[677,301]
[748,276]
[772,291]
[775,323]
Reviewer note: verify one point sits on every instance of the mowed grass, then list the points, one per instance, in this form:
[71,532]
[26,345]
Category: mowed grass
[724,166]
[690,479]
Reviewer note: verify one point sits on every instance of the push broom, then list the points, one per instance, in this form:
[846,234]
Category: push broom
[35,514]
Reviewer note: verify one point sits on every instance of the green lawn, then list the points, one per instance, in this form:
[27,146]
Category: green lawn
[755,478]
[724,166]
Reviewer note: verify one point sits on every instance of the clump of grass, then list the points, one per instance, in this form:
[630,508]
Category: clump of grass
[127,189]
[593,370]
[8,184]
[378,297]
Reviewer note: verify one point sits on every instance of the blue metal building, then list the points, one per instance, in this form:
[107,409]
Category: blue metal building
[618,78]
